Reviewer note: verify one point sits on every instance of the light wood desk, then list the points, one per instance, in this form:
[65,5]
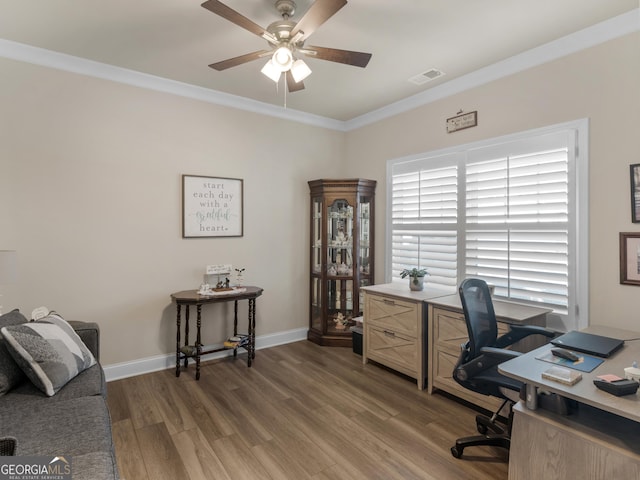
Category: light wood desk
[448,330]
[398,335]
[395,328]
[528,369]
[601,440]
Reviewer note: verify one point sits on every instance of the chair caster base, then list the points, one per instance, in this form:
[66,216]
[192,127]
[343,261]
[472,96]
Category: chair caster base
[480,440]
[456,452]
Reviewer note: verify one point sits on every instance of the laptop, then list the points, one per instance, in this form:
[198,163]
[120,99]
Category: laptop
[588,343]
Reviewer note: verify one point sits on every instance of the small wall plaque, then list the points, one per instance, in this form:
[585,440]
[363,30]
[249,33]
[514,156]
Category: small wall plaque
[460,122]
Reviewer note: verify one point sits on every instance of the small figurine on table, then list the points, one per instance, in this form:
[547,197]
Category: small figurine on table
[239,276]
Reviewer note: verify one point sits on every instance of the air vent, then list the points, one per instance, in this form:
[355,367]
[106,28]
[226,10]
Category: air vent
[427,76]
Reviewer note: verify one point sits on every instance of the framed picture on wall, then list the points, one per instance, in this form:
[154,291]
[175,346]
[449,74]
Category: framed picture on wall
[635,193]
[211,206]
[630,258]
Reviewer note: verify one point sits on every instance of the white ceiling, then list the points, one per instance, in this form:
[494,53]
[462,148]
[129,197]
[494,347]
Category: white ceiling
[178,39]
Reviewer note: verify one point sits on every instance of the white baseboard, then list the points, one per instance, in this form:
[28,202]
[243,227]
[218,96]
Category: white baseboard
[140,366]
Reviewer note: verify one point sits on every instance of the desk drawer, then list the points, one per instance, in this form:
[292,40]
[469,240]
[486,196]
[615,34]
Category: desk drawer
[443,380]
[395,333]
[450,329]
[393,349]
[393,314]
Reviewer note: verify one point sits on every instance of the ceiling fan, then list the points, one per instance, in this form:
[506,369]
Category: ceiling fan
[287,38]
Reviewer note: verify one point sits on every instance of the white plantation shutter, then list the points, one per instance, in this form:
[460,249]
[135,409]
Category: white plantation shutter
[426,196]
[502,211]
[425,209]
[517,219]
[524,265]
[434,250]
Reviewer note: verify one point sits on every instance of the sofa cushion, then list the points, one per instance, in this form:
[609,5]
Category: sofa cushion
[95,466]
[49,352]
[72,427]
[10,373]
[88,383]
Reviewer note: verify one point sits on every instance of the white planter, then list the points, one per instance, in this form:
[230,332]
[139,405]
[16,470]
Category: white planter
[416,283]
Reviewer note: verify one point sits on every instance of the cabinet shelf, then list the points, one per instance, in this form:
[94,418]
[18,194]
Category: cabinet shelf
[342,213]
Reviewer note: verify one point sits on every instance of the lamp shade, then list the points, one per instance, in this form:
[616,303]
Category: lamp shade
[282,59]
[271,71]
[8,262]
[300,70]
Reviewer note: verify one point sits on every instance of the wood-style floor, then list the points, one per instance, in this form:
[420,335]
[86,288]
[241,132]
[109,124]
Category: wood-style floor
[300,412]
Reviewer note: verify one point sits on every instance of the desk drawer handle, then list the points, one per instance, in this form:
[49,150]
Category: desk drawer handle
[388,302]
[389,334]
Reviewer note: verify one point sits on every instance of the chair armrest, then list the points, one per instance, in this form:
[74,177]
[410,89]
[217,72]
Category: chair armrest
[518,332]
[499,354]
[89,333]
[489,357]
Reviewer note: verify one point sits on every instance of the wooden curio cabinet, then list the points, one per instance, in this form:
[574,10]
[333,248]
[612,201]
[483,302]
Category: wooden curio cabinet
[342,213]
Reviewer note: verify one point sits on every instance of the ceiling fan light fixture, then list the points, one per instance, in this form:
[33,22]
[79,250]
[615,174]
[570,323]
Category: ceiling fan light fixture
[286,38]
[271,71]
[282,59]
[300,70]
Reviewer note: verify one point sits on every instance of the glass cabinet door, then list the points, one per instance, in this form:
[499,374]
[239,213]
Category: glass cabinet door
[365,251]
[340,238]
[316,263]
[340,265]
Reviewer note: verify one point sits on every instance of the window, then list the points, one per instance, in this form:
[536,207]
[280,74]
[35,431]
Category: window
[505,210]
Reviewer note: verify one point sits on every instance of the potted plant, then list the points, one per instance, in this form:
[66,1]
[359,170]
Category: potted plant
[416,277]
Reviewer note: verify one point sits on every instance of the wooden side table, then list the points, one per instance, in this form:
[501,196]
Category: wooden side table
[192,297]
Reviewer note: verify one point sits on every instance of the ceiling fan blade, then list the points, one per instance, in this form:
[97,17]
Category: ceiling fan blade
[291,83]
[230,14]
[235,61]
[317,14]
[357,59]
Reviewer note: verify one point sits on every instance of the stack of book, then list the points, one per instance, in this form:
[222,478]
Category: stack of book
[236,341]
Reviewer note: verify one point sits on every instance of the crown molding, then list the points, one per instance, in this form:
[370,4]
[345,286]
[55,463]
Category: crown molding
[608,30]
[61,61]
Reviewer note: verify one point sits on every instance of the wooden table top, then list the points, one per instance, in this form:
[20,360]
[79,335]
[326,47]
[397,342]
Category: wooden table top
[192,297]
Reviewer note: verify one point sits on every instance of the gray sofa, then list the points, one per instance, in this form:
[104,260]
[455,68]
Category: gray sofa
[74,422]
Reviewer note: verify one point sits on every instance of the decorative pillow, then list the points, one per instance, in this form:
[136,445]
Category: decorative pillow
[10,372]
[49,352]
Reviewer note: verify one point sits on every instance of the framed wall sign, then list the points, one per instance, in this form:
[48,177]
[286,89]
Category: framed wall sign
[211,206]
[635,193]
[630,258]
[460,122]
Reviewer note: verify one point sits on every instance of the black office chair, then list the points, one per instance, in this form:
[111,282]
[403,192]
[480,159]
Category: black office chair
[477,366]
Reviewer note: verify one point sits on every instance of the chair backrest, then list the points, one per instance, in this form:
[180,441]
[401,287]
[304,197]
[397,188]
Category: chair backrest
[479,314]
